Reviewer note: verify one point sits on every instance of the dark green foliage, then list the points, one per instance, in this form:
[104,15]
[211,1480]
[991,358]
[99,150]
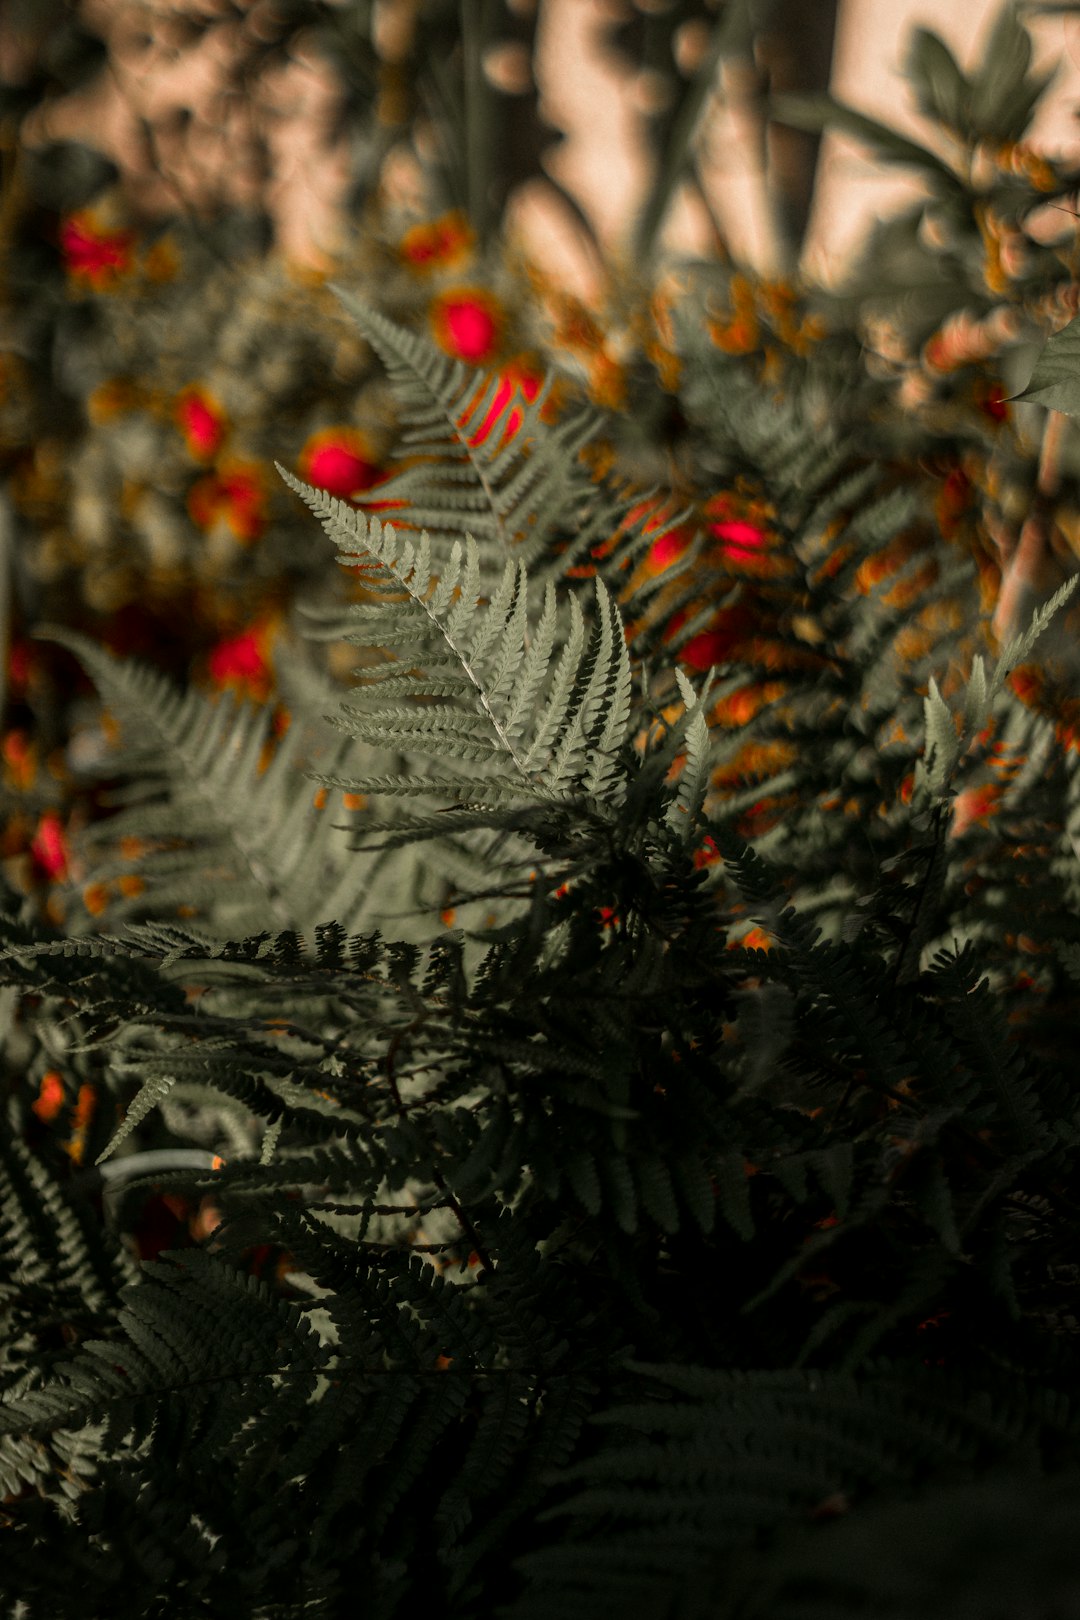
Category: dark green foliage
[615,1253]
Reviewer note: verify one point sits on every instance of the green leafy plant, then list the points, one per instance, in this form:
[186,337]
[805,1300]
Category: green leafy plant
[680,1233]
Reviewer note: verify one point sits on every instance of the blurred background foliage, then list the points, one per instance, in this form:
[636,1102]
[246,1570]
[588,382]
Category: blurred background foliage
[183,182]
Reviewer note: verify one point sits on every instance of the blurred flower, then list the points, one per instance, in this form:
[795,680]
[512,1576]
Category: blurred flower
[21,665]
[467,323]
[518,379]
[707,648]
[953,501]
[50,1097]
[740,707]
[990,400]
[974,804]
[49,846]
[607,382]
[1026,681]
[92,255]
[20,758]
[740,331]
[726,638]
[202,422]
[241,663]
[707,854]
[235,495]
[85,1103]
[668,549]
[438,243]
[741,538]
[339,460]
[95,898]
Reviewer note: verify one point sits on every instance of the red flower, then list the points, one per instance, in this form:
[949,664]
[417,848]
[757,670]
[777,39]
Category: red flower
[50,1097]
[242,664]
[202,422]
[236,495]
[668,549]
[95,256]
[437,243]
[721,642]
[741,539]
[518,378]
[467,322]
[339,460]
[990,399]
[49,846]
[706,649]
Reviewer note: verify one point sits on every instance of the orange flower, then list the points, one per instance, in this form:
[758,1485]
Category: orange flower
[241,663]
[235,495]
[49,846]
[438,243]
[95,898]
[739,707]
[85,1103]
[50,1097]
[339,460]
[607,382]
[97,257]
[468,324]
[20,757]
[953,501]
[974,804]
[202,422]
[738,336]
[1026,681]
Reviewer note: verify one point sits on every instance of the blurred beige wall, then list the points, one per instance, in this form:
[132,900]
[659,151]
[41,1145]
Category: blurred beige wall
[213,143]
[604,160]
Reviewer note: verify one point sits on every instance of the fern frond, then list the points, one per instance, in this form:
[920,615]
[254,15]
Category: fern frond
[242,843]
[569,750]
[502,475]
